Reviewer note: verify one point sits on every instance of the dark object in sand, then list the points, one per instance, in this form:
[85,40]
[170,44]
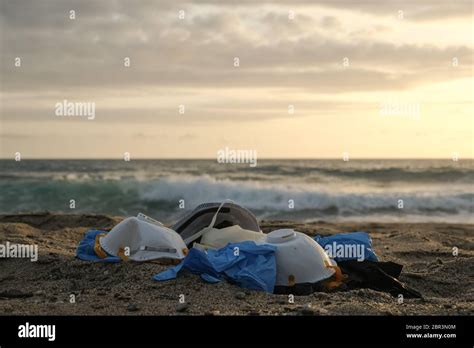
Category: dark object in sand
[132,307]
[15,294]
[379,276]
[301,289]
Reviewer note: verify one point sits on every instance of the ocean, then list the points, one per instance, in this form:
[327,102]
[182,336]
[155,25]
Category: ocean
[300,190]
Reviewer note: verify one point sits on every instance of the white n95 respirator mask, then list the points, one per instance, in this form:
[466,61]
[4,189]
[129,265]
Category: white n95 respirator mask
[299,258]
[142,238]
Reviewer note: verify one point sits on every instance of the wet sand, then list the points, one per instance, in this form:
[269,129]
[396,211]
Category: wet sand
[45,287]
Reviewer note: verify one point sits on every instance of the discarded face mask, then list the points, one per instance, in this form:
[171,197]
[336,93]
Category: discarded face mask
[302,265]
[141,238]
[215,225]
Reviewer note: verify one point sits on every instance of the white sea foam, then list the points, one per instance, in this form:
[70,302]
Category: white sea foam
[265,196]
[435,190]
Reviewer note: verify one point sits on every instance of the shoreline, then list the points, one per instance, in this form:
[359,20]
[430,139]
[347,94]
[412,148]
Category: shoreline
[45,287]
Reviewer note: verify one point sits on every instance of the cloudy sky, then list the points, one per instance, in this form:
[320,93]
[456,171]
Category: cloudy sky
[315,78]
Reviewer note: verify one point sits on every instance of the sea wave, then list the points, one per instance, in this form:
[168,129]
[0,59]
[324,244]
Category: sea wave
[160,198]
[265,196]
[317,171]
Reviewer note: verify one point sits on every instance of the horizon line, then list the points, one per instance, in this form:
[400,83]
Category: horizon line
[214,159]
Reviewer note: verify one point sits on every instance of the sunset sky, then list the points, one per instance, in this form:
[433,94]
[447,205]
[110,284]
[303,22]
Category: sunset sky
[339,63]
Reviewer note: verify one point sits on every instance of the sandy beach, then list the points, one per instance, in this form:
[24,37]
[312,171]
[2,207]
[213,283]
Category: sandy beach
[45,287]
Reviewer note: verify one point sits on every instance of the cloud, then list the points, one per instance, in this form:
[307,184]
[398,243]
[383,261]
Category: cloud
[413,10]
[83,58]
[330,22]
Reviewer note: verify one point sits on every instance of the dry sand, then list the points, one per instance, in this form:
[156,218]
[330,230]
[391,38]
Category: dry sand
[44,287]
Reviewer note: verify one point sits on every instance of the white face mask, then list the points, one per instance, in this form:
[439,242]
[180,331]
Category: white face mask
[218,238]
[142,238]
[299,258]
